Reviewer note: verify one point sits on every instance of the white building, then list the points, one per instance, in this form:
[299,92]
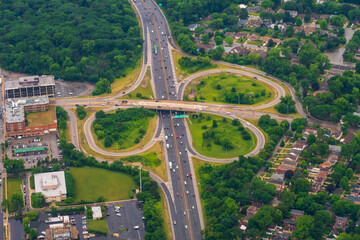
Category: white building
[96,212]
[52,185]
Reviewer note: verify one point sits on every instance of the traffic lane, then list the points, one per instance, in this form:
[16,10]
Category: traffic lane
[130,216]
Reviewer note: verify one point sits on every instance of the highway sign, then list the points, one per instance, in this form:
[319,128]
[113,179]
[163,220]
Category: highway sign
[179,116]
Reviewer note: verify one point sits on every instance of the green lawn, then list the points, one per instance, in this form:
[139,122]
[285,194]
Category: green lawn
[97,225]
[32,182]
[91,183]
[144,90]
[227,88]
[224,132]
[13,185]
[256,42]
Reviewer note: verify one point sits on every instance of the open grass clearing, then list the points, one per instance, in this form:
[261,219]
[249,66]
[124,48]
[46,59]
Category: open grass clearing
[255,42]
[14,185]
[91,183]
[35,119]
[229,88]
[143,91]
[99,225]
[230,142]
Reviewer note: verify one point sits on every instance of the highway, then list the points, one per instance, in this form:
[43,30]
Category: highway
[181,191]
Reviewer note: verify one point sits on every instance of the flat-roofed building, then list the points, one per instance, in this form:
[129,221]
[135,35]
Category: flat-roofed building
[52,185]
[30,86]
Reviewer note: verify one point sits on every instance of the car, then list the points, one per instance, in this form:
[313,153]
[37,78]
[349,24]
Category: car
[116,104]
[181,142]
[84,227]
[159,59]
[179,153]
[174,170]
[177,166]
[174,222]
[123,92]
[186,226]
[184,213]
[136,227]
[177,194]
[76,105]
[255,77]
[185,182]
[187,192]
[143,218]
[118,214]
[177,136]
[181,195]
[193,207]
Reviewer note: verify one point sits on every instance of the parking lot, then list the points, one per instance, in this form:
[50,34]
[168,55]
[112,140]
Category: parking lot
[48,141]
[130,217]
[125,218]
[72,89]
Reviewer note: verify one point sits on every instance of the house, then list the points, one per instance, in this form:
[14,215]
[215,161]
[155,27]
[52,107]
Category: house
[284,167]
[251,211]
[229,34]
[291,157]
[299,145]
[241,35]
[337,134]
[333,158]
[192,27]
[253,9]
[335,149]
[296,213]
[295,152]
[340,223]
[282,236]
[309,130]
[242,22]
[309,30]
[298,29]
[253,23]
[348,138]
[207,47]
[96,212]
[235,50]
[52,185]
[293,13]
[244,51]
[242,6]
[208,18]
[290,162]
[354,199]
[280,11]
[253,37]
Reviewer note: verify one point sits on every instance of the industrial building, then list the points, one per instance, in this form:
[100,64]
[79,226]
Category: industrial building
[30,86]
[52,185]
[15,116]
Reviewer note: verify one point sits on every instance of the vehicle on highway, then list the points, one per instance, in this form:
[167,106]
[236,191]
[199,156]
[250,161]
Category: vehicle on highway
[186,226]
[174,222]
[177,194]
[136,227]
[167,146]
[193,207]
[185,182]
[118,214]
[166,138]
[184,213]
[170,165]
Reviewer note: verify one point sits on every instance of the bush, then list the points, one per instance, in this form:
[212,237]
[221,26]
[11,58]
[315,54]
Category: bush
[204,127]
[70,184]
[80,111]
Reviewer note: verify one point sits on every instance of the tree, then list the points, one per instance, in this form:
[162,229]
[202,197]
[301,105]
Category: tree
[214,125]
[17,201]
[311,139]
[349,173]
[357,67]
[14,166]
[301,185]
[243,14]
[102,86]
[338,20]
[344,182]
[37,200]
[205,39]
[236,122]
[298,22]
[229,40]
[282,144]
[289,31]
[288,174]
[304,226]
[33,233]
[267,4]
[218,40]
[80,111]
[323,24]
[32,215]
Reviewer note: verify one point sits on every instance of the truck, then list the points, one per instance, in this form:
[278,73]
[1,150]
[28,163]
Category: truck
[166,138]
[170,164]
[155,50]
[167,146]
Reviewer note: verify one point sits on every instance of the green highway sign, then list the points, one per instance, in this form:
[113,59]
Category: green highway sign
[179,116]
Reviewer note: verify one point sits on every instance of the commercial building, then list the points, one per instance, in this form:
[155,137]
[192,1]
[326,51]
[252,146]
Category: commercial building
[30,86]
[15,110]
[52,185]
[96,212]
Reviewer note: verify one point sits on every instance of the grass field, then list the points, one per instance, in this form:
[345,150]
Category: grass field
[14,185]
[41,118]
[97,225]
[91,183]
[132,133]
[256,42]
[223,131]
[215,87]
[144,91]
[32,182]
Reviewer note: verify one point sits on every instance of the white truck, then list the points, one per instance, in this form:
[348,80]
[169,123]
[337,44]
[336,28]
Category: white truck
[167,146]
[170,164]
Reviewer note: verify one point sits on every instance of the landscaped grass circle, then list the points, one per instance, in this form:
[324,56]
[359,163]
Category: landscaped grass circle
[216,136]
[228,88]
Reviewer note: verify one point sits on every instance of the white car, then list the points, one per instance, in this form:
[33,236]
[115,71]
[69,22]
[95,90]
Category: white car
[174,222]
[193,207]
[118,214]
[186,226]
[184,213]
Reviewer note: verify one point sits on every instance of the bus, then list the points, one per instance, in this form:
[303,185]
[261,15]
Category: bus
[155,49]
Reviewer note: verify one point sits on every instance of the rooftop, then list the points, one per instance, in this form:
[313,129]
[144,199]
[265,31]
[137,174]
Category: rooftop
[96,212]
[14,108]
[51,184]
[30,81]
